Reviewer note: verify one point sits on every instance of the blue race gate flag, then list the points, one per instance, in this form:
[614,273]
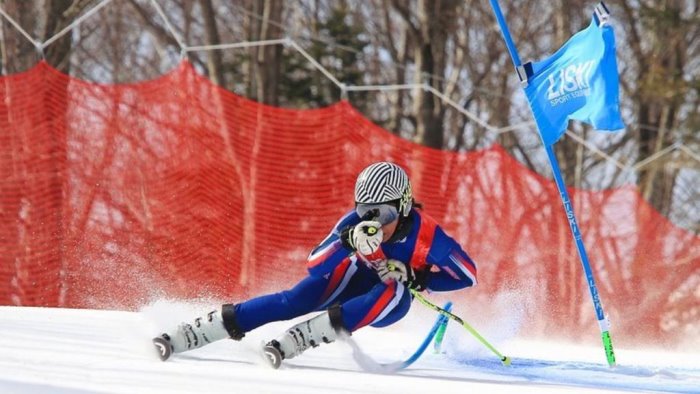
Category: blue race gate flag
[580,81]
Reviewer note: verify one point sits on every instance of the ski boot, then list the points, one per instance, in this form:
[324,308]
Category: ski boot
[324,328]
[204,330]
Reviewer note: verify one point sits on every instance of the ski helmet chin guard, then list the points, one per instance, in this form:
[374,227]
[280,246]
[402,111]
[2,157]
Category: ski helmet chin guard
[383,183]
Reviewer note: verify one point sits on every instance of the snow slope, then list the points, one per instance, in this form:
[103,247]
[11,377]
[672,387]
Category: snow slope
[44,350]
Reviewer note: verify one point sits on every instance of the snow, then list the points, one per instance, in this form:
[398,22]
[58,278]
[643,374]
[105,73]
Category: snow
[52,350]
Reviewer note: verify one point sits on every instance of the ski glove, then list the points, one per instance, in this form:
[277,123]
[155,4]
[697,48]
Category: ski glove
[419,279]
[391,269]
[395,270]
[364,238]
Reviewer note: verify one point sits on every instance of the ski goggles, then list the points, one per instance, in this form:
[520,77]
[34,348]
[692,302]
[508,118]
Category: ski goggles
[383,213]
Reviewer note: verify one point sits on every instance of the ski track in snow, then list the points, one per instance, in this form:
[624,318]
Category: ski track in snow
[51,350]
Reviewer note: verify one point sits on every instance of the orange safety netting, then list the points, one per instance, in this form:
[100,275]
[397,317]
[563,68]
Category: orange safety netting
[114,195]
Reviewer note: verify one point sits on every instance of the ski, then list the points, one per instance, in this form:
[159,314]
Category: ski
[368,364]
[436,329]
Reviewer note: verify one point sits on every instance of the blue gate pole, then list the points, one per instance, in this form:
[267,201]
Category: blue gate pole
[603,322]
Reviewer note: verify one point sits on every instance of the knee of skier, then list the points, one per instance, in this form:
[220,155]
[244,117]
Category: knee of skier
[396,314]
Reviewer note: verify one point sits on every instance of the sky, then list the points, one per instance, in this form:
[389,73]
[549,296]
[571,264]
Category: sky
[54,350]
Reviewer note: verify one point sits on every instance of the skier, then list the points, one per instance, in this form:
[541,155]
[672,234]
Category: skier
[359,275]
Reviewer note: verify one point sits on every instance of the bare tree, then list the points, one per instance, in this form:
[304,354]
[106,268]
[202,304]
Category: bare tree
[429,27]
[661,36]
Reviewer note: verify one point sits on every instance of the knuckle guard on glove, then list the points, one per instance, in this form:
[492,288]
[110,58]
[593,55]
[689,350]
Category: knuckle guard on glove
[403,273]
[366,237]
[393,270]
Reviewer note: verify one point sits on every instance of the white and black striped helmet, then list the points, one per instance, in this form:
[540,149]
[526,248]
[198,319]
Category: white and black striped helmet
[384,182]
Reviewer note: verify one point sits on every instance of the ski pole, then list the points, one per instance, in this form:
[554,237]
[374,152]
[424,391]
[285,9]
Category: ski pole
[504,359]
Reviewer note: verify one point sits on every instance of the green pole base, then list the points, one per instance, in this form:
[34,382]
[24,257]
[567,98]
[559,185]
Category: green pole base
[609,352]
[439,336]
